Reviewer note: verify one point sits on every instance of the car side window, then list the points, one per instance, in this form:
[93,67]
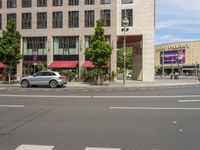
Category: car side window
[38,74]
[46,74]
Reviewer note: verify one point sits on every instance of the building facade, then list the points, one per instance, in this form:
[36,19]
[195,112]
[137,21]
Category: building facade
[182,57]
[56,32]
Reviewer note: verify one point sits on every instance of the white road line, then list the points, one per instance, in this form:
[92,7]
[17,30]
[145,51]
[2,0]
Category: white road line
[44,96]
[96,148]
[154,108]
[187,101]
[2,88]
[35,147]
[164,96]
[12,106]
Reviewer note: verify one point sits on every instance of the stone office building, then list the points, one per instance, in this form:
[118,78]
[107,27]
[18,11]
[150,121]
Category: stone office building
[56,32]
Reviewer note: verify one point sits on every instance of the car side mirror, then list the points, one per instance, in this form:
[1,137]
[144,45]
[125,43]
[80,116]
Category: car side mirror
[34,75]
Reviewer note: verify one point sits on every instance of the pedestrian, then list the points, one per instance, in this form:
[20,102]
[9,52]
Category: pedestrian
[176,76]
[171,75]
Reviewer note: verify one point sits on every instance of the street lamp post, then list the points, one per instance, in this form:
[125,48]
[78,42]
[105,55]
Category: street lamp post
[125,23]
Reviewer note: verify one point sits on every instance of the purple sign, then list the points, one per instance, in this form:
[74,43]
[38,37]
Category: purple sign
[172,57]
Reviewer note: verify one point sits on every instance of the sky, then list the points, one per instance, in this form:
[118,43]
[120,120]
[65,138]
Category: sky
[177,20]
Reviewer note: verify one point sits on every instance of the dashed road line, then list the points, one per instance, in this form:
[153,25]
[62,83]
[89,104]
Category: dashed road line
[35,147]
[154,108]
[96,148]
[12,106]
[187,101]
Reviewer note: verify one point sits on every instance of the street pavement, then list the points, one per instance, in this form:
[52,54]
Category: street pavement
[80,118]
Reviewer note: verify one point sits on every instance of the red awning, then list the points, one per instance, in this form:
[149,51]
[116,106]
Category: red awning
[63,64]
[2,65]
[88,64]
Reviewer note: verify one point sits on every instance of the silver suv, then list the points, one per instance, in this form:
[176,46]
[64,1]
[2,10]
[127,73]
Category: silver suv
[51,78]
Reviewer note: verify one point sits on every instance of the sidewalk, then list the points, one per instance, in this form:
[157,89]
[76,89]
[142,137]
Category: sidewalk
[119,83]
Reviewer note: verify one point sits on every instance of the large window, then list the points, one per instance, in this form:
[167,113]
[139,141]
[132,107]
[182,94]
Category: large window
[26,3]
[0,22]
[57,19]
[89,18]
[89,2]
[105,16]
[41,20]
[66,45]
[57,2]
[129,15]
[41,3]
[35,46]
[105,1]
[73,21]
[73,2]
[0,4]
[127,1]
[11,4]
[26,20]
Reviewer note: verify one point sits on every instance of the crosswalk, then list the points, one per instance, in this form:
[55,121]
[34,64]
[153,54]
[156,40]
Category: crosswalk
[48,147]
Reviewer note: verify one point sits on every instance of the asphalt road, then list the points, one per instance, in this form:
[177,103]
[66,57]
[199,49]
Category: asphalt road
[152,118]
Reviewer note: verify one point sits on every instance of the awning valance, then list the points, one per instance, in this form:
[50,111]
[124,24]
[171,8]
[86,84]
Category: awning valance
[63,64]
[2,65]
[88,64]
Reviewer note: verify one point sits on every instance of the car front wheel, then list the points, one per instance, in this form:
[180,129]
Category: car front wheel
[53,84]
[25,83]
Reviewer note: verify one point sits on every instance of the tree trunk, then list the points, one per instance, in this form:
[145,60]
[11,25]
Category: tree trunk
[9,74]
[99,77]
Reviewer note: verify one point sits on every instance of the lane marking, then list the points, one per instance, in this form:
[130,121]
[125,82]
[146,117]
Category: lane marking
[12,106]
[96,148]
[154,108]
[44,96]
[2,88]
[187,101]
[164,96]
[34,147]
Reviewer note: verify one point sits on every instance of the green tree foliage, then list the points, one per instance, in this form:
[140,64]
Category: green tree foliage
[129,59]
[10,47]
[99,50]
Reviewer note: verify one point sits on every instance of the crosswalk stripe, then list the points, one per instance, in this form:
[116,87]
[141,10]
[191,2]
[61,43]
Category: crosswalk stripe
[96,148]
[35,147]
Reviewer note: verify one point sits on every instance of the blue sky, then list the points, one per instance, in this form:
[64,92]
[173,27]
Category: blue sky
[177,20]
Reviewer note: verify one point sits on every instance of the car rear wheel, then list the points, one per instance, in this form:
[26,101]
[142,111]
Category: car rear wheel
[53,84]
[25,83]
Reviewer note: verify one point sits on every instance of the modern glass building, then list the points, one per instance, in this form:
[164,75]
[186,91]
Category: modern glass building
[56,32]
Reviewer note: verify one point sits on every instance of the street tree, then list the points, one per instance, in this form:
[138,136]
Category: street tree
[10,47]
[99,50]
[129,58]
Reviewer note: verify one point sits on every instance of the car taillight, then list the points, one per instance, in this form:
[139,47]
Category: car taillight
[61,77]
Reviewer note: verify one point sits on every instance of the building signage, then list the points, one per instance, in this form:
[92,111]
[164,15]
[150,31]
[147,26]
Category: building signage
[172,57]
[173,46]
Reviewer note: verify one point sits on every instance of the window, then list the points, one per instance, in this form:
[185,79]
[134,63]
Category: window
[0,22]
[105,1]
[89,18]
[73,2]
[87,41]
[57,19]
[127,1]
[41,20]
[57,2]
[11,16]
[105,16]
[0,3]
[89,2]
[41,3]
[26,20]
[129,15]
[26,3]
[73,21]
[34,45]
[66,45]
[11,4]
